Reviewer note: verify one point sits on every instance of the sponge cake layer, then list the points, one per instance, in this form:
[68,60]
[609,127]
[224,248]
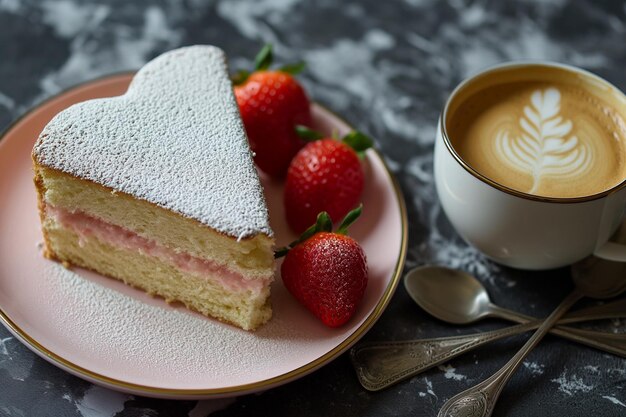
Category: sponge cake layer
[245,309]
[250,257]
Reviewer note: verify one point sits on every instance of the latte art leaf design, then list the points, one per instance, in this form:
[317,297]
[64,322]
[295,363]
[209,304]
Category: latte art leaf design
[543,147]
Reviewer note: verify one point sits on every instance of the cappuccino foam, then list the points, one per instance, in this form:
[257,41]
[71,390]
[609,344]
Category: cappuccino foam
[554,134]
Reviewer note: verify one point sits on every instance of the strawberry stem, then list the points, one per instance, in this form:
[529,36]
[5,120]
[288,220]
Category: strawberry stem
[323,224]
[358,141]
[262,62]
[264,58]
[293,69]
[240,77]
[349,219]
[309,135]
[280,252]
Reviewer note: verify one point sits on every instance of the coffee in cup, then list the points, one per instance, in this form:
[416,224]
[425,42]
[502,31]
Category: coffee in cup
[530,164]
[541,130]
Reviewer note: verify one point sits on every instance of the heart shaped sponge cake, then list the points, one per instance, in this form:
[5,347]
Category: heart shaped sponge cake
[158,188]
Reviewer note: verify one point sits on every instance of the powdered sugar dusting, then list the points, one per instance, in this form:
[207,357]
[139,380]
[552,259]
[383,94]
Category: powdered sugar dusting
[534,368]
[429,389]
[105,323]
[450,373]
[572,384]
[174,139]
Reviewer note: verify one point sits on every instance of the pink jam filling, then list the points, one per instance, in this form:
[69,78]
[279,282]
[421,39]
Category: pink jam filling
[86,226]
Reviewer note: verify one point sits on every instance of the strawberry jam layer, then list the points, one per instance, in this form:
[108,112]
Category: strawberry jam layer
[86,226]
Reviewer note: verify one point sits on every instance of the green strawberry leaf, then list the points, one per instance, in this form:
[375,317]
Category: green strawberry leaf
[323,224]
[358,141]
[349,219]
[264,58]
[293,69]
[309,135]
[240,77]
[263,61]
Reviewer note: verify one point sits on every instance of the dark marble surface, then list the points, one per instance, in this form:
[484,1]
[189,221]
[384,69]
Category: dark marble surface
[387,67]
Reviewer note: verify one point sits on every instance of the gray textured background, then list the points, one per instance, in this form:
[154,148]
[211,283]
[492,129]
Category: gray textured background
[388,68]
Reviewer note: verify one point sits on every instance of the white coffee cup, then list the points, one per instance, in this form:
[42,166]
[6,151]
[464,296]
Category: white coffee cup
[523,230]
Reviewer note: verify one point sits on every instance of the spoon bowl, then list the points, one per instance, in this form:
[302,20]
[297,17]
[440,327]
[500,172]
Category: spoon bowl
[450,295]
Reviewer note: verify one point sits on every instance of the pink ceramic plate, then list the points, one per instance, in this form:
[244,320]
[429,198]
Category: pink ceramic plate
[119,337]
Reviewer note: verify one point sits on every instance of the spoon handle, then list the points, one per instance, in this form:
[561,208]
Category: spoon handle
[381,364]
[480,400]
[608,342]
[614,343]
[614,309]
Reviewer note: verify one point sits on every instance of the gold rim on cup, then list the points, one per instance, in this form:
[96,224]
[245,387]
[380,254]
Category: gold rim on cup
[508,190]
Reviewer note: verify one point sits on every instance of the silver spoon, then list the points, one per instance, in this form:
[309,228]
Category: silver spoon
[480,400]
[457,297]
[460,298]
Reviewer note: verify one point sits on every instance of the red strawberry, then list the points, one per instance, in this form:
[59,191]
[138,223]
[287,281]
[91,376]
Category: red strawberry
[271,104]
[326,272]
[325,175]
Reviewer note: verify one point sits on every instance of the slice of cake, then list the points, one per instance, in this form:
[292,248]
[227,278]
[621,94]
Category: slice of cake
[157,188]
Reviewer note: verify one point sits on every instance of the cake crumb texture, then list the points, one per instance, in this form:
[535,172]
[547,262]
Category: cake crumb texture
[251,258]
[244,309]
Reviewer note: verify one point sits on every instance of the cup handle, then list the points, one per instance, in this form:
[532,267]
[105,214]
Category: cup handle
[612,251]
